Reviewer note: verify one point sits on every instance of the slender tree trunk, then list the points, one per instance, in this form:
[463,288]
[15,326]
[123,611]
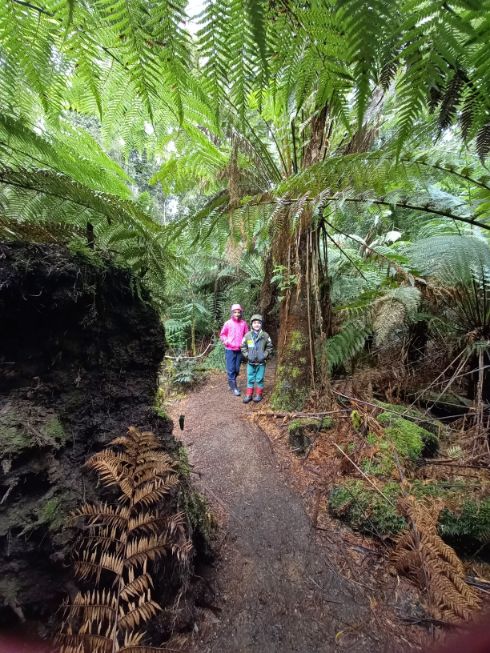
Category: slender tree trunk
[268,299]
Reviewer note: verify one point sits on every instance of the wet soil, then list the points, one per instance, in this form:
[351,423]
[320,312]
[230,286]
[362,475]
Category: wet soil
[281,585]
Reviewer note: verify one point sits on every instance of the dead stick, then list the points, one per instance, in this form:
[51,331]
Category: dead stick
[365,475]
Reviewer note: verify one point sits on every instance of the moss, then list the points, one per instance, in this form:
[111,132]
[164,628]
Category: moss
[24,425]
[406,436]
[434,426]
[291,388]
[365,510]
[183,463]
[297,425]
[471,522]
[356,420]
[198,512]
[465,527]
[400,437]
[294,372]
[382,464]
[55,431]
[161,412]
[326,422]
[14,440]
[286,395]
[52,513]
[297,341]
[410,439]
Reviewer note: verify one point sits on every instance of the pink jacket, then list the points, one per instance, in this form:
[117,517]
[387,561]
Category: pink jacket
[232,333]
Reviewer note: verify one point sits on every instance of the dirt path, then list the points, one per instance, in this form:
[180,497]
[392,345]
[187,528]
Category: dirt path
[278,587]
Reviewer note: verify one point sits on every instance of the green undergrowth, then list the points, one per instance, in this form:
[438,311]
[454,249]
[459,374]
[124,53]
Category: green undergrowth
[290,389]
[215,360]
[463,521]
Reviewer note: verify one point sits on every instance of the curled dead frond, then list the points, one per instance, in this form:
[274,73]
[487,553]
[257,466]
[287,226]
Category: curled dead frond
[422,555]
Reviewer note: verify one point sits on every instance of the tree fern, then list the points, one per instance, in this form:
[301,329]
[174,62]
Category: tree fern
[460,265]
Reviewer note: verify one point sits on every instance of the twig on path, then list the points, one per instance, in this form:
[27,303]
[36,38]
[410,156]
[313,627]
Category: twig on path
[323,589]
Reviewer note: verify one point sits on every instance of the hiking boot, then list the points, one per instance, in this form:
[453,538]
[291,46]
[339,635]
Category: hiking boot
[248,397]
[236,392]
[258,395]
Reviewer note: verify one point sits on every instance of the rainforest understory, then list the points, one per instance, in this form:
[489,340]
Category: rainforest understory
[325,166]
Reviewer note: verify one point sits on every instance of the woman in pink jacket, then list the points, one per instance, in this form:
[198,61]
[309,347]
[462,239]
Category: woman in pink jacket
[231,336]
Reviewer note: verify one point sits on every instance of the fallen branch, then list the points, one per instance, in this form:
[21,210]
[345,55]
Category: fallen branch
[449,462]
[481,583]
[268,413]
[187,358]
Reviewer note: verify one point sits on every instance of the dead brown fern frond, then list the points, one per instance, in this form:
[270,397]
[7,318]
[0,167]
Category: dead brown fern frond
[422,555]
[118,544]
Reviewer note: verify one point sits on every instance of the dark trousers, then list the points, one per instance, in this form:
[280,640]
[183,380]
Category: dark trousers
[233,360]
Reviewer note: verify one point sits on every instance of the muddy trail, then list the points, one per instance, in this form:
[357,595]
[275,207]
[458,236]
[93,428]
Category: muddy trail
[277,585]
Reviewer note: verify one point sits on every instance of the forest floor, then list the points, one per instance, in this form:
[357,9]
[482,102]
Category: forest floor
[287,577]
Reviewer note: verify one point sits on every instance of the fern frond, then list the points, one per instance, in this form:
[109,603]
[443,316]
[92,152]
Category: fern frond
[136,587]
[422,554]
[150,493]
[137,613]
[346,344]
[102,513]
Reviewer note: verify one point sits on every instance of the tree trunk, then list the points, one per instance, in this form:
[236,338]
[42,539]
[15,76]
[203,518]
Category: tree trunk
[268,299]
[302,312]
[305,313]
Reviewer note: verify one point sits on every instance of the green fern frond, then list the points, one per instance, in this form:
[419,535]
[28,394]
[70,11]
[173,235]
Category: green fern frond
[346,344]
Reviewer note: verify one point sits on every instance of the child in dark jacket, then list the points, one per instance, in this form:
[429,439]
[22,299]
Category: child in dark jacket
[256,348]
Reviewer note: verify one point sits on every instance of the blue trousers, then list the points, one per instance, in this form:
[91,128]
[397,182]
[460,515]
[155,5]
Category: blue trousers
[233,360]
[255,375]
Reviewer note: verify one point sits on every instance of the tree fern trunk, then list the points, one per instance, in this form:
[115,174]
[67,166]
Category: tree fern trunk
[306,305]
